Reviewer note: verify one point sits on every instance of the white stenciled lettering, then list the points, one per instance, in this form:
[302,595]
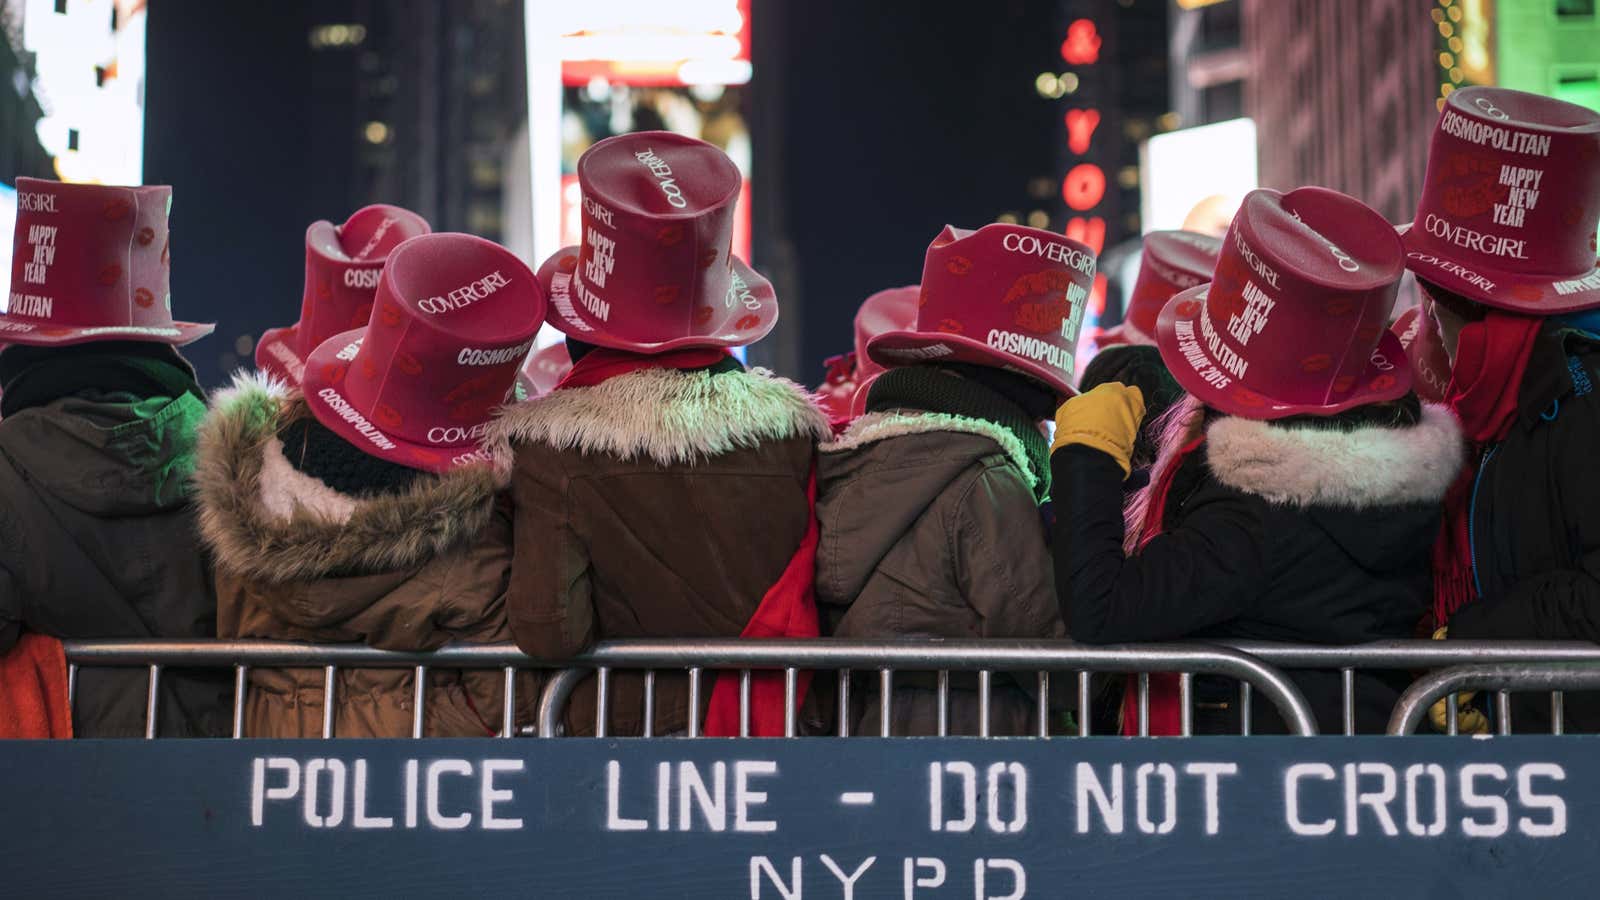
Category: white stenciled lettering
[34,202]
[591,301]
[31,305]
[1484,134]
[561,299]
[470,356]
[663,174]
[1257,311]
[1254,260]
[1455,269]
[1067,255]
[1033,348]
[1522,195]
[739,292]
[1189,346]
[456,434]
[1589,282]
[365,279]
[377,236]
[1231,361]
[288,359]
[598,213]
[601,258]
[42,238]
[1477,241]
[465,295]
[343,410]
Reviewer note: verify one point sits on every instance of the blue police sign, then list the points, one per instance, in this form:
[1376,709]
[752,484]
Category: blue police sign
[784,820]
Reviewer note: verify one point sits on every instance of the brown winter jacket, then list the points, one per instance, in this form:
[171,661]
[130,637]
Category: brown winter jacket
[930,529]
[658,504]
[407,571]
[98,540]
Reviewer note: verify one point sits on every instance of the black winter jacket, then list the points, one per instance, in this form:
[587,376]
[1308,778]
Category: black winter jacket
[1273,533]
[98,540]
[1536,519]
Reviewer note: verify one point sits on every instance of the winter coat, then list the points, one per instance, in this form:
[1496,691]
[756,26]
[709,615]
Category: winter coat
[98,540]
[1275,533]
[930,529]
[298,561]
[1535,520]
[657,504]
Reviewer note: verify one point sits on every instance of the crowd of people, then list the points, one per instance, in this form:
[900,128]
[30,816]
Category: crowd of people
[1259,451]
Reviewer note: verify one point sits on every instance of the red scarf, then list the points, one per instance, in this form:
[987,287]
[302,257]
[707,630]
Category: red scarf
[33,690]
[602,364]
[1491,359]
[1164,711]
[789,608]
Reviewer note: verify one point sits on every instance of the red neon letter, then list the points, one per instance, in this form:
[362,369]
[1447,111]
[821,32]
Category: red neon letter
[1082,46]
[1081,124]
[1084,186]
[1090,232]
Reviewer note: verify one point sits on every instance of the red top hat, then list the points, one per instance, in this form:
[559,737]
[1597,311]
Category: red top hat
[91,263]
[1510,202]
[1295,320]
[543,371]
[656,271]
[1171,261]
[1005,296]
[451,324]
[342,266]
[1430,364]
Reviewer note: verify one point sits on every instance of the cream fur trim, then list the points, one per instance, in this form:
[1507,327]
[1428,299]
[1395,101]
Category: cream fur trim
[286,490]
[268,522]
[1364,467]
[667,416]
[880,426]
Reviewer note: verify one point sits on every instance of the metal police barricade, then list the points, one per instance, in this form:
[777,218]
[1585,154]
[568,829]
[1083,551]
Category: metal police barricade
[983,657]
[1501,677]
[697,655]
[1425,656]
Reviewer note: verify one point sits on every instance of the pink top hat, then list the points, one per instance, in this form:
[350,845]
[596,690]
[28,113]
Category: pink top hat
[1005,296]
[1430,364]
[656,271]
[342,266]
[1295,320]
[91,263]
[1510,203]
[453,320]
[543,371]
[1170,261]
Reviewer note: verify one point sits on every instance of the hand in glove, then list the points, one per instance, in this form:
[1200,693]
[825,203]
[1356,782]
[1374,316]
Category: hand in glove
[1469,719]
[1107,419]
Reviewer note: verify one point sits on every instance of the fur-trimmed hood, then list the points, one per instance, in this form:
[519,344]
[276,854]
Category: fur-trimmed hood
[269,522]
[881,426]
[667,416]
[1365,467]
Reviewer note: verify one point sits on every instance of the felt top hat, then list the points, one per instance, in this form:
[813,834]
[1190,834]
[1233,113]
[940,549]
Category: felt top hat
[92,263]
[1295,319]
[452,322]
[342,267]
[1170,261]
[656,271]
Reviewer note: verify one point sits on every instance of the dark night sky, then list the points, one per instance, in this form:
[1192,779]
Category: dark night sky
[890,127]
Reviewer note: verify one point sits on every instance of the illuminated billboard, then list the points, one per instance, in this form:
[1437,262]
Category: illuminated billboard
[87,73]
[1195,178]
[607,67]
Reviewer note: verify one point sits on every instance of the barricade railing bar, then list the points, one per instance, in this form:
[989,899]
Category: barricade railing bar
[1501,677]
[697,656]
[1421,655]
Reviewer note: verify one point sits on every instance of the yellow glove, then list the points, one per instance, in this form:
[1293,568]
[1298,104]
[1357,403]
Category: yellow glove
[1469,718]
[1107,419]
